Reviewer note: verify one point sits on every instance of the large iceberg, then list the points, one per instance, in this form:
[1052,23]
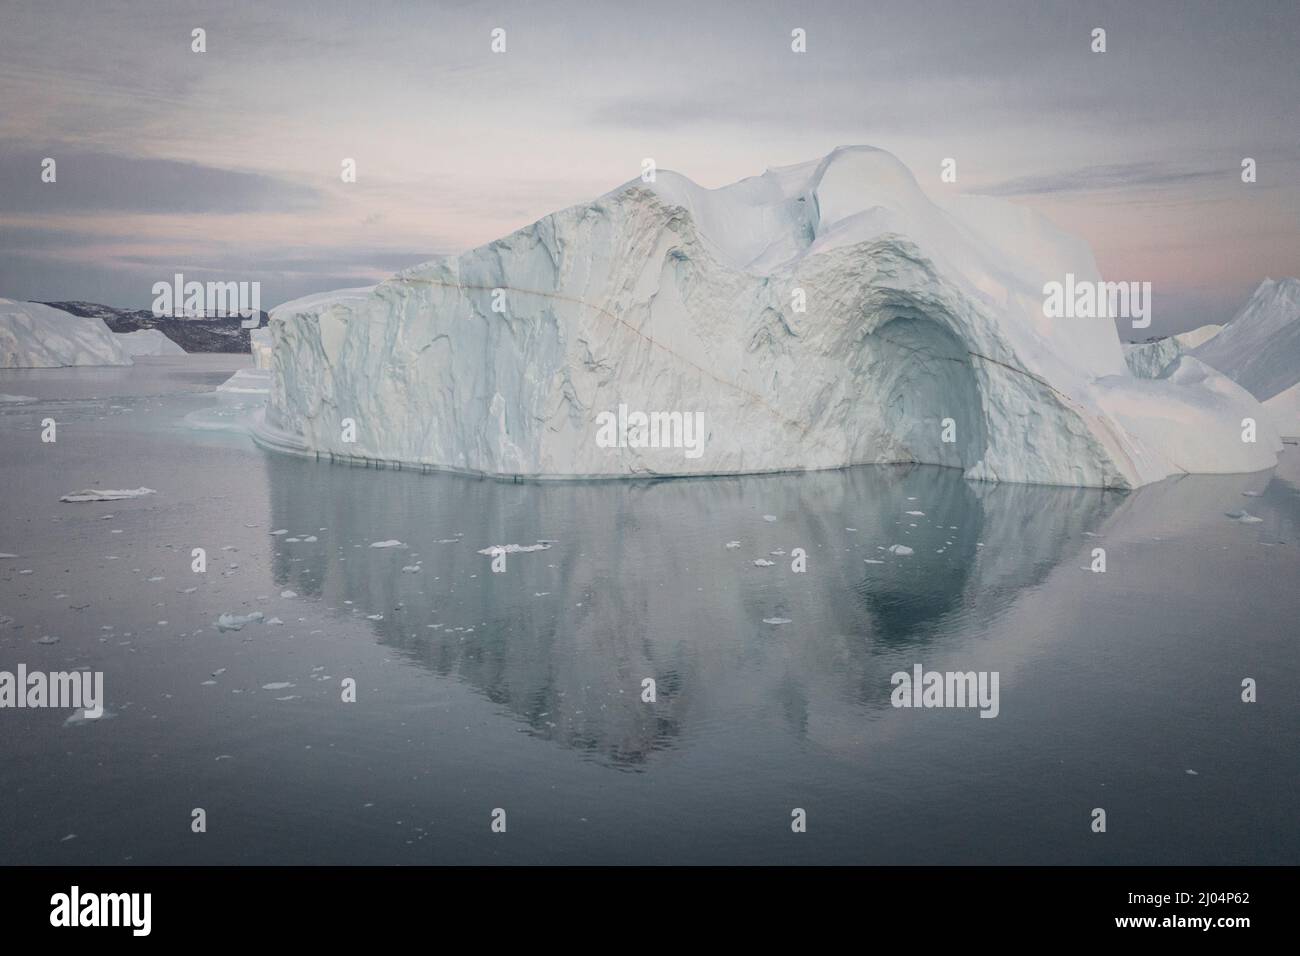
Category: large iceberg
[36,336]
[819,315]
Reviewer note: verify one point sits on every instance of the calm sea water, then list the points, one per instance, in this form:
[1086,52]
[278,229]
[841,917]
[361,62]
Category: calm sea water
[522,690]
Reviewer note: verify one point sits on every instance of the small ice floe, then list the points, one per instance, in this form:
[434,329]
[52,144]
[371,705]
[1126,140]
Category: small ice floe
[900,549]
[390,543]
[78,717]
[776,553]
[730,546]
[292,540]
[850,529]
[515,548]
[95,494]
[218,672]
[448,541]
[374,617]
[279,531]
[776,620]
[763,563]
[288,594]
[274,620]
[4,555]
[70,836]
[411,569]
[234,622]
[188,590]
[1245,517]
[279,685]
[1193,773]
[153,579]
[872,561]
[26,571]
[1252,494]
[915,514]
[310,539]
[769,517]
[208,683]
[48,639]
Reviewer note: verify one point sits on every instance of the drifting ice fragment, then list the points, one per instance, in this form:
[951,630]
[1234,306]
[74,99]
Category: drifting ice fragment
[94,494]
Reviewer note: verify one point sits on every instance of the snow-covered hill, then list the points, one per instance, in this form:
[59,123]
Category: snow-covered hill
[36,336]
[819,315]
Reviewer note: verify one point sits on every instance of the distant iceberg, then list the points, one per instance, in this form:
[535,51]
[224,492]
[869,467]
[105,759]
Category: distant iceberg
[147,342]
[819,315]
[1260,350]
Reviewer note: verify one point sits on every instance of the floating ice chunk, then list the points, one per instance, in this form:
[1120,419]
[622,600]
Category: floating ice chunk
[79,717]
[872,561]
[274,620]
[374,617]
[730,546]
[769,517]
[48,639]
[915,514]
[280,685]
[1245,517]
[288,594]
[1193,773]
[776,620]
[95,494]
[4,555]
[900,549]
[515,548]
[279,532]
[234,622]
[390,543]
[1252,494]
[411,569]
[310,539]
[763,563]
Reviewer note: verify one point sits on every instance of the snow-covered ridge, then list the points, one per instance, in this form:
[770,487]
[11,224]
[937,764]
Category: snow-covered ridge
[36,336]
[819,315]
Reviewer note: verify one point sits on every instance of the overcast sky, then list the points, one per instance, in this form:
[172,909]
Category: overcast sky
[226,164]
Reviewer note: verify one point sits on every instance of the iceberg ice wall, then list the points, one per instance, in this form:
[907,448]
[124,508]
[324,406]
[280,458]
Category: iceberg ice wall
[38,336]
[922,322]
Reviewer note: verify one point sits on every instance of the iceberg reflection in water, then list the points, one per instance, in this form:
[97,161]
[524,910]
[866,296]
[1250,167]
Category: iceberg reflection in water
[523,690]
